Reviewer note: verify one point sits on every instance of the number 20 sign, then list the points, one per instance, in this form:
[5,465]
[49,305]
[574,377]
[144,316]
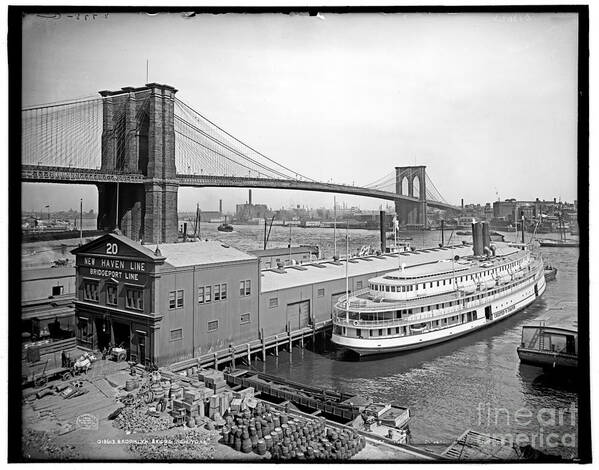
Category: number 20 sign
[112,249]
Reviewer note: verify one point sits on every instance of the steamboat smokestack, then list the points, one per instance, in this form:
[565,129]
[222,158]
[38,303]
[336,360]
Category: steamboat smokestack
[486,236]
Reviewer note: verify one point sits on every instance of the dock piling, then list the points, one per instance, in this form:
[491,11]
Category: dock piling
[249,354]
[232,355]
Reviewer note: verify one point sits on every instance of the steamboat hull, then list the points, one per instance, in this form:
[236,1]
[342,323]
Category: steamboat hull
[527,296]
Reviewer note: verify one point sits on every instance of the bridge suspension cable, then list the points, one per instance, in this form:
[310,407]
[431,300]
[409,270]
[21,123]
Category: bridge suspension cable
[204,145]
[62,134]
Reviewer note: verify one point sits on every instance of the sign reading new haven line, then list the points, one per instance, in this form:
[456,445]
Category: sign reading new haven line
[127,270]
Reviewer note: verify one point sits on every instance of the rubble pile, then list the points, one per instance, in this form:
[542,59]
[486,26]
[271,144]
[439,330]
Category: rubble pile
[137,420]
[41,445]
[193,444]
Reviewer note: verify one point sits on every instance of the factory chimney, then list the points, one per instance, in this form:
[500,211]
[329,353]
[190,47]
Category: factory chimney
[220,206]
[250,197]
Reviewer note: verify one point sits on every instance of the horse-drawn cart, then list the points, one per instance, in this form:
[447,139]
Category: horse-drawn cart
[41,378]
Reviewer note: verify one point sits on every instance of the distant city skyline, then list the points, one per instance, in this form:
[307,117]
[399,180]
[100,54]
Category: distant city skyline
[487,103]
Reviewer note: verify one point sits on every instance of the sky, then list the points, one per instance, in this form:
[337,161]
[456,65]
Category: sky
[486,101]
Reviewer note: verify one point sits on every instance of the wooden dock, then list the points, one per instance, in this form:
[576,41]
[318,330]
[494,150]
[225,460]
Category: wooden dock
[256,348]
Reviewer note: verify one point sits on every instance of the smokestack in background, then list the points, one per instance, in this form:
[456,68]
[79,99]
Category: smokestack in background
[250,197]
[383,232]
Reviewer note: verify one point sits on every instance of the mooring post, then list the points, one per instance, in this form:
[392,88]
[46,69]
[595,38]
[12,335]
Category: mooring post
[232,355]
[216,360]
[249,355]
[277,345]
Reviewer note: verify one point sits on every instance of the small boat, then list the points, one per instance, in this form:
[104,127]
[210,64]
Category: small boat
[549,347]
[550,273]
[225,227]
[565,243]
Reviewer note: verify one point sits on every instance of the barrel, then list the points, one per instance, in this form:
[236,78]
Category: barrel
[276,421]
[176,391]
[268,442]
[157,391]
[191,422]
[254,439]
[261,447]
[231,440]
[237,443]
[283,418]
[130,384]
[246,446]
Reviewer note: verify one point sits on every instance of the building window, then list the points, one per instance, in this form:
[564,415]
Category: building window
[111,295]
[90,290]
[217,292]
[208,294]
[273,302]
[245,318]
[358,284]
[245,288]
[213,325]
[200,295]
[135,298]
[321,292]
[175,299]
[177,334]
[57,290]
[223,292]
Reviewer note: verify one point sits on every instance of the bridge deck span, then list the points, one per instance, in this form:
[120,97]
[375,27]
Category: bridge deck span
[69,175]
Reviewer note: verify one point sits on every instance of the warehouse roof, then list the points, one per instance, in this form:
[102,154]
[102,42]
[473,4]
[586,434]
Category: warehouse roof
[199,252]
[284,251]
[273,280]
[32,274]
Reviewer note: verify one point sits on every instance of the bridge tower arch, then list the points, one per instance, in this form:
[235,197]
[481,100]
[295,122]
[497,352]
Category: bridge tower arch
[411,212]
[138,136]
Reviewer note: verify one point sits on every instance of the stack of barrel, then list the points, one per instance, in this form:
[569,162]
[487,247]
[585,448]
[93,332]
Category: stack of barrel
[287,437]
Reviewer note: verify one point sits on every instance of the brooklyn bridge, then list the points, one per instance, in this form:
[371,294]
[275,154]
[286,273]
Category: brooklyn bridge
[139,145]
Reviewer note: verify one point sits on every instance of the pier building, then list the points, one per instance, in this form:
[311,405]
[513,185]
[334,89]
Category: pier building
[177,301]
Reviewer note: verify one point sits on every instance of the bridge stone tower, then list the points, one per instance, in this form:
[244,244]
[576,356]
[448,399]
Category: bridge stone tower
[139,137]
[411,181]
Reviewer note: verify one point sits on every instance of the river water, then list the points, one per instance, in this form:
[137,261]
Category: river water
[474,382]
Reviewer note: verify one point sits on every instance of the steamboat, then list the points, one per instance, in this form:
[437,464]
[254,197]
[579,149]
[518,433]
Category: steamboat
[444,293]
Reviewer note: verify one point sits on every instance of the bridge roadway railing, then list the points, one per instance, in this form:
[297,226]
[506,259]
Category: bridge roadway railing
[39,173]
[58,174]
[241,181]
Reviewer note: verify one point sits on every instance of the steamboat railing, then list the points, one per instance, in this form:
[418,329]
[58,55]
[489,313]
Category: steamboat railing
[351,318]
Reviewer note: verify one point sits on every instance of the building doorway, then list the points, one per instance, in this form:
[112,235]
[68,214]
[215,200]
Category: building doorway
[122,335]
[298,314]
[103,333]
